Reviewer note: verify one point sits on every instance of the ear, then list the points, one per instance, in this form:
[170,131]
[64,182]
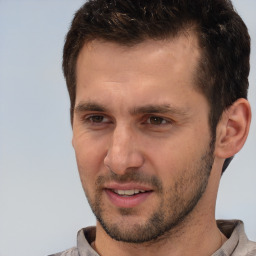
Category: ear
[232,129]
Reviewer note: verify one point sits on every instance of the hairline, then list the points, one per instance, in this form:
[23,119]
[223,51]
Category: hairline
[190,28]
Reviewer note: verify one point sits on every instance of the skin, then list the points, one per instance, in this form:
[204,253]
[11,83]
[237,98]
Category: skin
[139,117]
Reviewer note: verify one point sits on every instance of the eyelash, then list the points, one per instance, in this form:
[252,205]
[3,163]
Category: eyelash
[157,119]
[147,120]
[89,119]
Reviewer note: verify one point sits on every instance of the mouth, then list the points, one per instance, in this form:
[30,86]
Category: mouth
[128,193]
[123,197]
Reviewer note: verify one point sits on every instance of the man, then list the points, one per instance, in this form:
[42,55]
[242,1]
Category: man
[158,108]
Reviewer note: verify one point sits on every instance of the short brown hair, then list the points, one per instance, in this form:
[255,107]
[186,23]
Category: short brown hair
[222,74]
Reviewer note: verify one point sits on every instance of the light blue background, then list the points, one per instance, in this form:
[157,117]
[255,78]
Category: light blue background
[42,204]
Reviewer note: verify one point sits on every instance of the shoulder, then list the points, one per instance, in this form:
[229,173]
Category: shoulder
[85,237]
[70,252]
[248,249]
[245,246]
[238,243]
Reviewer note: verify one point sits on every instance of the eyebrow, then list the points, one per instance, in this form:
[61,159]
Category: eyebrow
[159,109]
[147,109]
[90,106]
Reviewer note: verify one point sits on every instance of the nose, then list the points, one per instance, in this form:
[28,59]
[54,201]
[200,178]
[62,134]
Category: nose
[123,152]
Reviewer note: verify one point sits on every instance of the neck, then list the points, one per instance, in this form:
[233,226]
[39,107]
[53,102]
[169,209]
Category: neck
[186,240]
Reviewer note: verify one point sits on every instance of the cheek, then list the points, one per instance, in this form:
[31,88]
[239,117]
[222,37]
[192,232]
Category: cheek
[90,158]
[168,158]
[172,159]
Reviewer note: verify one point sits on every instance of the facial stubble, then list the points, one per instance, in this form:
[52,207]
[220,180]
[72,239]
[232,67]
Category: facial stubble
[174,207]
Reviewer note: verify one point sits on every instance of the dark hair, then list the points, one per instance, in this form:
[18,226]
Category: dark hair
[222,74]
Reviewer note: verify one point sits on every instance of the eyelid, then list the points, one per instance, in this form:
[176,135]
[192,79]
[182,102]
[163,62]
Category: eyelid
[165,119]
[87,118]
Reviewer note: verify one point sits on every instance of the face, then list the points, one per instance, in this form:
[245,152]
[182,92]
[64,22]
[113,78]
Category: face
[141,135]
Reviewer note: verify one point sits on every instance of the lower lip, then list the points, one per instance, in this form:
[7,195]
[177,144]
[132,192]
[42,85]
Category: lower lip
[127,201]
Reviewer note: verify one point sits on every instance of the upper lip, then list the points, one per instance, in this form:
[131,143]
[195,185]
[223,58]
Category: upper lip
[127,186]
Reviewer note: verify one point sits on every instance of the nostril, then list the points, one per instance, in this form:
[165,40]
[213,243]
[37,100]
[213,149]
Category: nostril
[109,169]
[119,163]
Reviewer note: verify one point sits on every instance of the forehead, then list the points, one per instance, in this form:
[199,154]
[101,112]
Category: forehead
[152,65]
[171,50]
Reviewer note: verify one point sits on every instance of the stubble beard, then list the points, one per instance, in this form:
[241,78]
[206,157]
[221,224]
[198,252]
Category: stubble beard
[170,213]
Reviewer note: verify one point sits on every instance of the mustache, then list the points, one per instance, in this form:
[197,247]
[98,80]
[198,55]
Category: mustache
[131,176]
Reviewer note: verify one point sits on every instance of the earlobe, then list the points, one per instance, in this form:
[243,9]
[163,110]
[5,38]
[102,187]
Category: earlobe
[233,129]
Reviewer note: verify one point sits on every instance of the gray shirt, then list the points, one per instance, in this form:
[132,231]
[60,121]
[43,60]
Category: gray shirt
[236,245]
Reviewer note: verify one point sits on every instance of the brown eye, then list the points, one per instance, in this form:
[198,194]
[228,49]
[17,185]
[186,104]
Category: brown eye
[156,120]
[96,119]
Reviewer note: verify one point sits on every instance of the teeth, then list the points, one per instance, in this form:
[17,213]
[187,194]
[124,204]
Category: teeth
[128,192]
